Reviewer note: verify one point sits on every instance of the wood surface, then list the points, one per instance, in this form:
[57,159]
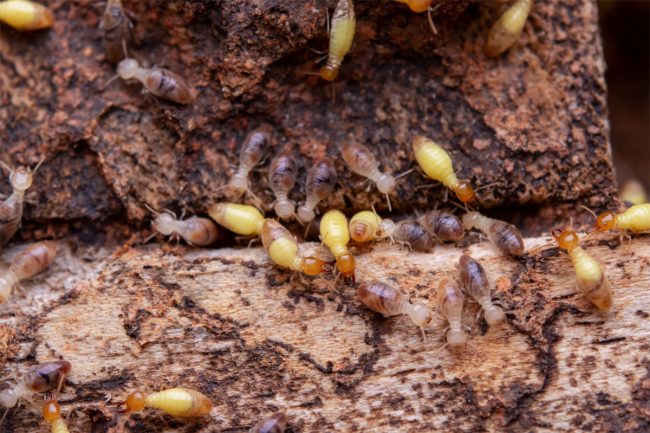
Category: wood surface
[257,339]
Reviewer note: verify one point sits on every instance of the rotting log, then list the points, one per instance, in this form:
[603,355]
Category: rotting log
[256,340]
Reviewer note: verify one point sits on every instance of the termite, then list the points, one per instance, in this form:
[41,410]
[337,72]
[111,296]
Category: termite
[475,281]
[47,377]
[282,248]
[252,152]
[26,15]
[319,183]
[591,279]
[450,303]
[367,226]
[443,225]
[419,6]
[274,424]
[117,30]
[633,193]
[33,260]
[504,236]
[341,36]
[160,82]
[505,32]
[52,415]
[178,402]
[242,219]
[194,230]
[635,219]
[11,210]
[362,162]
[282,177]
[436,163]
[389,301]
[335,235]
[414,235]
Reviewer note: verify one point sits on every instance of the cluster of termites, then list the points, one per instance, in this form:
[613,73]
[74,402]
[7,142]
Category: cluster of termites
[342,237]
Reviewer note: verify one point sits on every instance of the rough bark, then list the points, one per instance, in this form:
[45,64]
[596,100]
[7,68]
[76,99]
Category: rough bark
[255,340]
[533,120]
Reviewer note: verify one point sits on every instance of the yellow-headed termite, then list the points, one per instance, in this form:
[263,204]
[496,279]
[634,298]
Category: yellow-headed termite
[11,210]
[450,304]
[389,301]
[341,36]
[52,415]
[282,248]
[506,30]
[26,15]
[335,235]
[592,281]
[319,183]
[194,230]
[282,177]
[504,236]
[253,149]
[367,226]
[160,82]
[47,377]
[443,225]
[179,402]
[362,162]
[274,424]
[436,163]
[476,284]
[242,219]
[635,219]
[33,260]
[117,30]
[633,193]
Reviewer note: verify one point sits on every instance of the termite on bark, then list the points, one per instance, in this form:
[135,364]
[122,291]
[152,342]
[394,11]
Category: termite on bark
[505,32]
[506,237]
[341,36]
[179,402]
[475,281]
[319,183]
[116,30]
[282,177]
[32,261]
[26,15]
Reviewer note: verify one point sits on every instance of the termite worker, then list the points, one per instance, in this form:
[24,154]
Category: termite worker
[413,235]
[160,82]
[26,15]
[389,301]
[178,402]
[591,279]
[273,424]
[242,219]
[253,149]
[52,415]
[11,210]
[504,236]
[635,219]
[443,225]
[194,230]
[319,183]
[450,304]
[33,260]
[341,36]
[436,164]
[505,32]
[362,162]
[367,226]
[335,235]
[282,177]
[117,30]
[47,377]
[283,250]
[475,281]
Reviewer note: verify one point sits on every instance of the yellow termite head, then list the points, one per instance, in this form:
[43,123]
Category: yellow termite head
[51,411]
[329,73]
[566,239]
[136,401]
[465,192]
[605,221]
[313,266]
[345,264]
[127,69]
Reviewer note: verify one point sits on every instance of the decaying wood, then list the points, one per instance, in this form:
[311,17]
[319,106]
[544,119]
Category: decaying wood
[257,340]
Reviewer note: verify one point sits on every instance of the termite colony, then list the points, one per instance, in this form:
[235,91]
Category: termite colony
[342,237]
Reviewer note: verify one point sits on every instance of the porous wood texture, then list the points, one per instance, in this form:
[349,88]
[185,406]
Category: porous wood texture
[533,120]
[256,340]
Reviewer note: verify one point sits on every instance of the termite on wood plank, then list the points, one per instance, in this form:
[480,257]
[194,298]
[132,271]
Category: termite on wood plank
[26,15]
[160,82]
[319,183]
[443,225]
[475,281]
[253,150]
[33,260]
[116,30]
[335,235]
[505,32]
[282,177]
[367,226]
[635,219]
[242,219]
[506,237]
[341,36]
[450,304]
[178,402]
[52,415]
[47,377]
[413,235]
[273,424]
[194,230]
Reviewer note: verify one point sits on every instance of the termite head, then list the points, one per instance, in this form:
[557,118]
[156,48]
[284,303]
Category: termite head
[128,69]
[386,228]
[494,315]
[605,221]
[456,337]
[8,397]
[386,184]
[136,401]
[51,411]
[465,192]
[566,239]
[239,181]
[164,223]
[329,73]
[313,266]
[418,6]
[306,214]
[21,179]
[284,209]
[345,265]
[420,314]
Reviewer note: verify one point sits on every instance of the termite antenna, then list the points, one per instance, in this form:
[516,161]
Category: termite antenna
[488,186]
[403,174]
[430,18]
[589,210]
[152,210]
[6,166]
[390,208]
[38,165]
[4,415]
